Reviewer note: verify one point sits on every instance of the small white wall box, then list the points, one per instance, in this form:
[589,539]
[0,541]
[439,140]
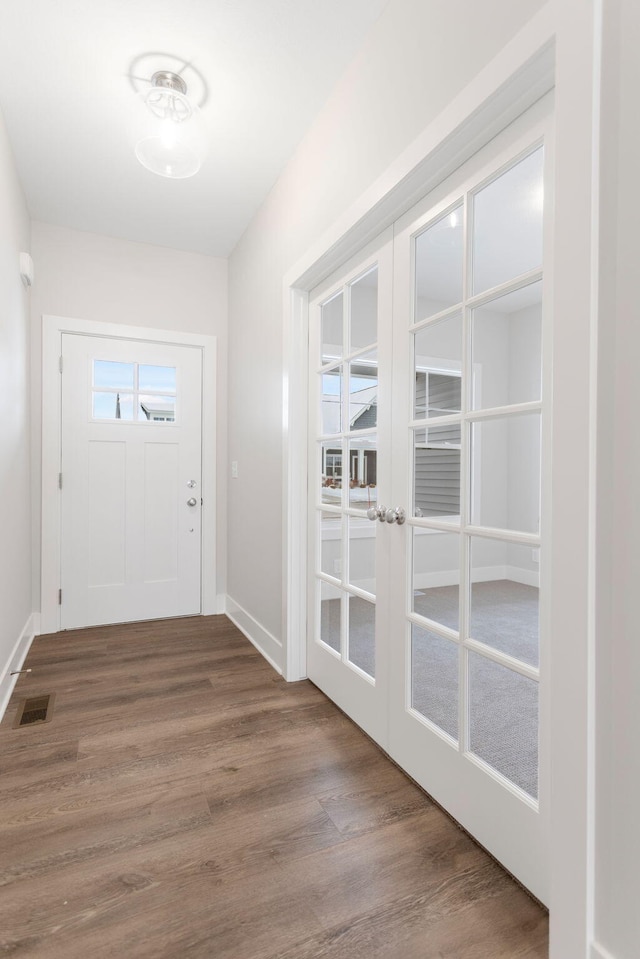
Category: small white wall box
[26,269]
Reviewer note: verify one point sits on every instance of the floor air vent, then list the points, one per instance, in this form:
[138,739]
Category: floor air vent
[36,709]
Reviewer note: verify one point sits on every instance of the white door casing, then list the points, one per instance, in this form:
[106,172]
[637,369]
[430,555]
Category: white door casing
[548,50]
[131,480]
[53,329]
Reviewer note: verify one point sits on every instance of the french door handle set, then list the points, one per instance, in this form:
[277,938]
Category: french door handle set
[397,515]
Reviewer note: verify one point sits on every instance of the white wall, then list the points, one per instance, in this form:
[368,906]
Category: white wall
[92,277]
[416,58]
[15,482]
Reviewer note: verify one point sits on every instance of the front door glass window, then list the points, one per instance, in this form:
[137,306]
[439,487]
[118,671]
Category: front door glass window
[133,392]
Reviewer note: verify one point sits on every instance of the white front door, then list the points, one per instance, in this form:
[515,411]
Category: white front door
[428,631]
[131,480]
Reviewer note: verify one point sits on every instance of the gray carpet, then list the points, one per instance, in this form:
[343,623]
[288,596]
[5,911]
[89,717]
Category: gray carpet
[503,705]
[503,615]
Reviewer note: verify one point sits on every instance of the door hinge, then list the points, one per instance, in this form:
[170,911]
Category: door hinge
[59,597]
[60,363]
[59,480]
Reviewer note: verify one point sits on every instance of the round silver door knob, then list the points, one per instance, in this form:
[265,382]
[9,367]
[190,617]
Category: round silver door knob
[192,501]
[372,513]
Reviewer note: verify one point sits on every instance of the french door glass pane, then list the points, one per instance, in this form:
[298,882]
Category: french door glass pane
[330,535]
[504,609]
[505,453]
[364,310]
[363,392]
[331,401]
[434,678]
[362,553]
[437,364]
[332,329]
[330,615]
[436,474]
[436,574]
[362,634]
[363,472]
[503,721]
[507,224]
[438,265]
[331,472]
[507,349]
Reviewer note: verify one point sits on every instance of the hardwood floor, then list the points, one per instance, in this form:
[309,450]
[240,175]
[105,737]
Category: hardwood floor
[186,801]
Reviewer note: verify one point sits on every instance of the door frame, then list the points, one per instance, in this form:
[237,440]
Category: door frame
[541,58]
[52,329]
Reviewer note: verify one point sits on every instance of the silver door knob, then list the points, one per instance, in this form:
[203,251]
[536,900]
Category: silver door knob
[397,515]
[192,501]
[374,512]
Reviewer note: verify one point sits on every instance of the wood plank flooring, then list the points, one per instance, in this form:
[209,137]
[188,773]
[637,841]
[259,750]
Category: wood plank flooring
[185,801]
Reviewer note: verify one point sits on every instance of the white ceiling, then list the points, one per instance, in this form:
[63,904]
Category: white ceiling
[68,71]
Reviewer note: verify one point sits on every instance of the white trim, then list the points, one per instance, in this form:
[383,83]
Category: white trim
[593,544]
[264,641]
[527,577]
[295,382]
[52,329]
[599,952]
[16,659]
[483,574]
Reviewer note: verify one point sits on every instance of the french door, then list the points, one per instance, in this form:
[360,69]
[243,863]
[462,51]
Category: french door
[428,430]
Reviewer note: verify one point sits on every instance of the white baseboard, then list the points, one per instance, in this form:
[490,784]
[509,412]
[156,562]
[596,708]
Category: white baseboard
[528,577]
[264,641]
[444,577]
[451,577]
[484,574]
[599,952]
[16,659]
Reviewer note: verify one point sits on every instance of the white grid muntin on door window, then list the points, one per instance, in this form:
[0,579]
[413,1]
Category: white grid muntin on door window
[474,523]
[345,440]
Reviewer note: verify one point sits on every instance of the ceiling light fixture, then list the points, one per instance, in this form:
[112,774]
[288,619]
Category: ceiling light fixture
[169,134]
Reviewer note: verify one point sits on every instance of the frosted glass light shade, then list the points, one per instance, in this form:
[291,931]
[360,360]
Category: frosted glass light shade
[169,135]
